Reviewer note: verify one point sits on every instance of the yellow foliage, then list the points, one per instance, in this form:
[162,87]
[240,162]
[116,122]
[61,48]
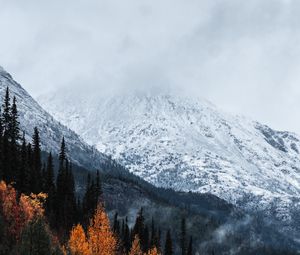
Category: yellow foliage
[153,251]
[32,205]
[100,237]
[78,244]
[136,247]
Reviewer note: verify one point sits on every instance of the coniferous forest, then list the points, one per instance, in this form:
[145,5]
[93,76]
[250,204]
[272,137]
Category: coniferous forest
[42,213]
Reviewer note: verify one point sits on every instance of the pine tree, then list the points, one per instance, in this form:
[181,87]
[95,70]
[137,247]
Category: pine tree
[6,115]
[169,244]
[37,164]
[14,124]
[49,186]
[6,155]
[24,174]
[36,239]
[183,237]
[126,238]
[139,228]
[116,225]
[65,200]
[190,248]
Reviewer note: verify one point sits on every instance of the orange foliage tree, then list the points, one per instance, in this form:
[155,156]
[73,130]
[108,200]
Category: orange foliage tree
[100,236]
[136,247]
[78,244]
[17,214]
[153,251]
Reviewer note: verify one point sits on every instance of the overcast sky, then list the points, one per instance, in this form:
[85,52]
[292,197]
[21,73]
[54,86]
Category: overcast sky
[244,56]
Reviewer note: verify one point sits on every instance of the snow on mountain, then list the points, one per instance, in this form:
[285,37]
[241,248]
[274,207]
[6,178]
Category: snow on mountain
[51,131]
[190,145]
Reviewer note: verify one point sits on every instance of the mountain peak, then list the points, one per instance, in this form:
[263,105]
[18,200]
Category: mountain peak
[188,144]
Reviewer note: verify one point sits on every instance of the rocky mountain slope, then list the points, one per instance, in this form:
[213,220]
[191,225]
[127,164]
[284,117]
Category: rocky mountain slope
[188,144]
[33,115]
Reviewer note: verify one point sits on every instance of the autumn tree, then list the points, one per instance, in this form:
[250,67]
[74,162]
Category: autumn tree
[153,251]
[136,247]
[100,236]
[78,244]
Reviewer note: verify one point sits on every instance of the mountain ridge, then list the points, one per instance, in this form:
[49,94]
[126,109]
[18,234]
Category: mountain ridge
[190,145]
[32,115]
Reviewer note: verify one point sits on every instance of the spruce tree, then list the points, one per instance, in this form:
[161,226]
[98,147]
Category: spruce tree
[24,174]
[37,163]
[126,238]
[14,125]
[6,155]
[190,248]
[49,186]
[6,115]
[116,225]
[183,237]
[65,200]
[168,244]
[35,239]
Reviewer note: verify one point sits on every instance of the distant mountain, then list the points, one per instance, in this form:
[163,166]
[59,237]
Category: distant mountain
[188,144]
[33,115]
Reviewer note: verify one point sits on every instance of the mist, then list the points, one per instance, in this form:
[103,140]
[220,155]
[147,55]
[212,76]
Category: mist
[243,56]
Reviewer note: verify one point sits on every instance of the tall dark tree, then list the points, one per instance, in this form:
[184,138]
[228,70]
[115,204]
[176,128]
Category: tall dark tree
[65,200]
[190,248]
[49,186]
[35,239]
[116,225]
[126,238]
[14,125]
[168,244]
[37,163]
[24,173]
[183,237]
[6,115]
[6,153]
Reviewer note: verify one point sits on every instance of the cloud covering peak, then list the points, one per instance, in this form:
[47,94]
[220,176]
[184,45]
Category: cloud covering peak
[242,55]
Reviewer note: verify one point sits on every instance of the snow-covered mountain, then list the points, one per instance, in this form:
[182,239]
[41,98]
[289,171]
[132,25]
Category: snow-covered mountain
[189,144]
[51,131]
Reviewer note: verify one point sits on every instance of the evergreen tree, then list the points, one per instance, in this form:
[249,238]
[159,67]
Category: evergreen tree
[49,186]
[14,124]
[139,226]
[116,225]
[126,238]
[37,164]
[24,174]
[190,248]
[6,155]
[65,200]
[36,239]
[183,237]
[168,244]
[6,116]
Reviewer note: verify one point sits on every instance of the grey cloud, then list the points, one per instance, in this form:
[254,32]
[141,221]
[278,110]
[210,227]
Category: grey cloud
[242,55]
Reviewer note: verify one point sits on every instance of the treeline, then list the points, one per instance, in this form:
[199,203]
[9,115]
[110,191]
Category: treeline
[40,212]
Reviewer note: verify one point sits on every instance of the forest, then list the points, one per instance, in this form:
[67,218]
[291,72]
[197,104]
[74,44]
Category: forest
[41,211]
